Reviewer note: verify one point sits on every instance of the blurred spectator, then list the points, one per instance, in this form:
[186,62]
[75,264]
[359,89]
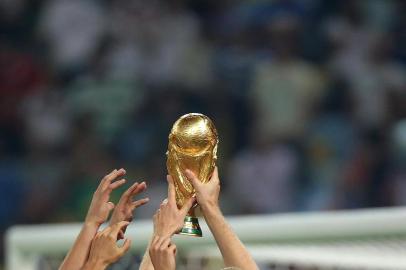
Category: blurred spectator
[350,36]
[329,144]
[47,119]
[262,179]
[363,57]
[377,79]
[107,99]
[373,79]
[72,30]
[286,88]
[364,181]
[165,41]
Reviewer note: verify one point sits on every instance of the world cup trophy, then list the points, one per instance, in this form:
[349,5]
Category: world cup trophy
[192,145]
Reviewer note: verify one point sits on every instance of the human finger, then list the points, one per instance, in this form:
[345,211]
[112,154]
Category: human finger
[139,203]
[110,177]
[193,179]
[171,189]
[117,184]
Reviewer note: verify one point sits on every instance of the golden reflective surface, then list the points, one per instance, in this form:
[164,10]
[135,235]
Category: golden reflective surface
[192,145]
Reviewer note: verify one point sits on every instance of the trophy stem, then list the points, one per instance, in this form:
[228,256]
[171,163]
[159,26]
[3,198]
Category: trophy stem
[191,225]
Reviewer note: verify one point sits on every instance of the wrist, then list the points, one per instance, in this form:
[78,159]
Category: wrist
[211,211]
[209,207]
[164,234]
[95,264]
[91,224]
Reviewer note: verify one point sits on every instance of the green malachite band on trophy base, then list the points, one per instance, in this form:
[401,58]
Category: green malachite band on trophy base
[191,227]
[191,219]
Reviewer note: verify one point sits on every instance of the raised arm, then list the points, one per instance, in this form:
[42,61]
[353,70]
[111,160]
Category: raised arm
[163,253]
[146,263]
[104,250]
[233,251]
[97,214]
[160,253]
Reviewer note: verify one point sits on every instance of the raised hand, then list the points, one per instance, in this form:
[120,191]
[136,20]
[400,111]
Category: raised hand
[97,214]
[100,206]
[124,209]
[207,194]
[104,250]
[169,219]
[234,252]
[163,253]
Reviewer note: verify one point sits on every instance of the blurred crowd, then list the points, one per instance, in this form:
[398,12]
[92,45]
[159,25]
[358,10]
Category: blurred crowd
[308,96]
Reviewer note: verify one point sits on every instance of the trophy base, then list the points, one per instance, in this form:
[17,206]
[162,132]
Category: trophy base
[191,227]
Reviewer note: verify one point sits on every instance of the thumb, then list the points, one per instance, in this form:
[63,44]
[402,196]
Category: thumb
[215,177]
[110,206]
[193,179]
[189,203]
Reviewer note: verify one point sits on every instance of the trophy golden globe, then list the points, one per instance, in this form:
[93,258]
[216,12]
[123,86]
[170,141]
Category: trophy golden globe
[192,145]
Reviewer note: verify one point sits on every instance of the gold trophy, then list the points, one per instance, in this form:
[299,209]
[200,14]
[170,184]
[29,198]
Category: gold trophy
[192,145]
